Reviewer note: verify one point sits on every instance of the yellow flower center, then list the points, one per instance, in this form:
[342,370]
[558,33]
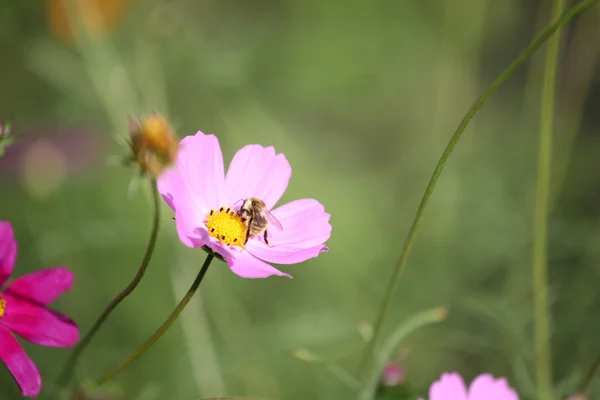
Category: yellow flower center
[227,226]
[2,307]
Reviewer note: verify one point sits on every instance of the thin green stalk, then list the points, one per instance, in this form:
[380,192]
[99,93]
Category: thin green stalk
[408,244]
[69,368]
[160,331]
[543,359]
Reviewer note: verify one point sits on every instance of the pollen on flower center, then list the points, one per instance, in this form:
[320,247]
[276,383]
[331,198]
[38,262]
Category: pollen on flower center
[227,226]
[2,307]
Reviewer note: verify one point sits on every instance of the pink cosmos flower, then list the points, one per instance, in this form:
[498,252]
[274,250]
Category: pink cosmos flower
[23,312]
[205,201]
[452,387]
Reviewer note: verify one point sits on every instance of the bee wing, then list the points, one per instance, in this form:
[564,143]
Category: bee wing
[273,221]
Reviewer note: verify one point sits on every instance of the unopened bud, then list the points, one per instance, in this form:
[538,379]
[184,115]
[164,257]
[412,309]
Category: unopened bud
[393,374]
[153,144]
[577,396]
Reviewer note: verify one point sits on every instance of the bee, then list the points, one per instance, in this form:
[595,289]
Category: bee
[257,217]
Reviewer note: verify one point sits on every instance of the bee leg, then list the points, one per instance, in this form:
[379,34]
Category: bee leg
[247,235]
[266,241]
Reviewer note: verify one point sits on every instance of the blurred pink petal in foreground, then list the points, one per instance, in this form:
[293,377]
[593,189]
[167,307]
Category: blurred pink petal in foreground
[451,386]
[205,201]
[23,311]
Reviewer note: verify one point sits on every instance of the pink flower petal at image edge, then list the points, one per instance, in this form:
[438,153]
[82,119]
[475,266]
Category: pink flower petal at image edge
[26,314]
[451,386]
[197,183]
[486,387]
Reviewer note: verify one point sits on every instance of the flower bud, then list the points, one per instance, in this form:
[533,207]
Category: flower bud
[153,144]
[393,374]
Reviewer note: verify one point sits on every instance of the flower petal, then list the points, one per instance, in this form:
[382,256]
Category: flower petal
[43,286]
[19,364]
[450,387]
[485,387]
[165,185]
[188,222]
[245,265]
[8,251]
[37,324]
[257,171]
[200,165]
[305,228]
[194,185]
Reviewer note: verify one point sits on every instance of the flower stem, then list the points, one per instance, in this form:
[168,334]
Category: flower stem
[543,360]
[544,35]
[160,331]
[69,368]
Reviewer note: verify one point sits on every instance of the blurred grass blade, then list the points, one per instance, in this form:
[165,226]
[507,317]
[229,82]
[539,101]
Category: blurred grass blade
[539,262]
[149,76]
[410,239]
[585,385]
[564,387]
[106,71]
[519,359]
[389,346]
[341,374]
[205,366]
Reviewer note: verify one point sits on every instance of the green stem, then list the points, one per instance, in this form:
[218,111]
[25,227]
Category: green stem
[69,368]
[408,244]
[160,331]
[543,361]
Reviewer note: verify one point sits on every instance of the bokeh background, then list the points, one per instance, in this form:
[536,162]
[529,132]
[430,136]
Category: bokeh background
[362,97]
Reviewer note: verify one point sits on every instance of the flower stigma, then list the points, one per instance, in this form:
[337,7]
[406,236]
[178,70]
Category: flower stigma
[2,307]
[227,226]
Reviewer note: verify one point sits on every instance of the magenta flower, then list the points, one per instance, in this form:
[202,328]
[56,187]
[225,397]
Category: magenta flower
[206,201]
[452,387]
[23,312]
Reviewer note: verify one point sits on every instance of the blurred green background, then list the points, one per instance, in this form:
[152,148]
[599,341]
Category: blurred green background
[362,97]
